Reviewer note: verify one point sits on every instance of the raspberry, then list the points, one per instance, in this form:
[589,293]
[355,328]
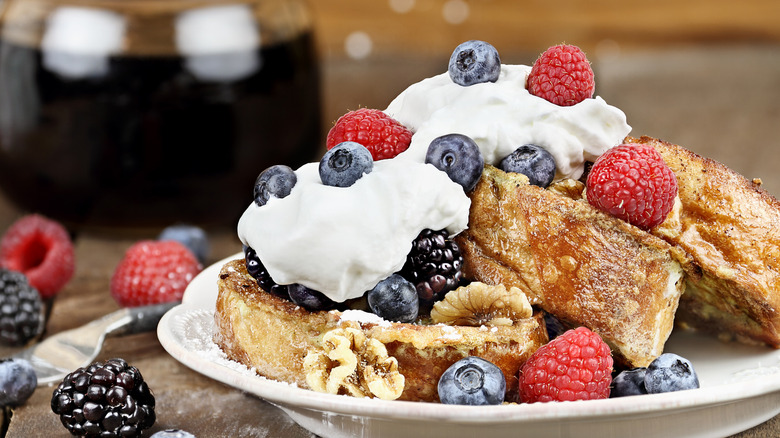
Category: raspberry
[633,183]
[576,365]
[153,272]
[562,75]
[378,132]
[41,249]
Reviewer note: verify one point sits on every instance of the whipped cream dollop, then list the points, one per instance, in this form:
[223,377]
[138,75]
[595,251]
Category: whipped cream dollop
[341,241]
[502,116]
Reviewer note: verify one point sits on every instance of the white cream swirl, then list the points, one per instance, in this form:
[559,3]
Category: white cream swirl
[342,241]
[502,116]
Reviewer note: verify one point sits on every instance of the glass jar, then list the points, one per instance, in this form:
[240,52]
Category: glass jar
[136,113]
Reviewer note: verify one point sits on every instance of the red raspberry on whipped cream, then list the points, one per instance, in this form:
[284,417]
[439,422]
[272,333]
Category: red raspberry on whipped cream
[378,132]
[562,75]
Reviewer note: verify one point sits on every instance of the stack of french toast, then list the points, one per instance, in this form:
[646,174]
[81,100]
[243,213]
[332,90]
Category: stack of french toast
[712,265]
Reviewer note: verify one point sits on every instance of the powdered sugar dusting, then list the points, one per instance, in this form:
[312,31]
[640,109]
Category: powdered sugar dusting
[361,316]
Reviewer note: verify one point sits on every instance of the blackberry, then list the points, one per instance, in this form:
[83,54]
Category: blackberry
[21,309]
[105,399]
[433,265]
[256,269]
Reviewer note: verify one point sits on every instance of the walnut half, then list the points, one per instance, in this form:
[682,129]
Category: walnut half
[480,304]
[353,364]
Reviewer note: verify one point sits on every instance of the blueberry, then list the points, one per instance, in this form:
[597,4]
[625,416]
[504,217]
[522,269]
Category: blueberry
[670,372]
[629,382]
[474,62]
[472,381]
[276,181]
[191,236]
[553,325]
[394,299]
[532,161]
[17,381]
[172,433]
[459,157]
[345,163]
[308,298]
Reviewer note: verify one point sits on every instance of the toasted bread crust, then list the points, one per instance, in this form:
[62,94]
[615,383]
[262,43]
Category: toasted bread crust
[730,228]
[273,336]
[582,265]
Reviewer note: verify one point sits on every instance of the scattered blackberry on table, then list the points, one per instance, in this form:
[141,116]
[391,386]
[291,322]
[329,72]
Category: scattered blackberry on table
[21,309]
[433,265]
[629,382]
[17,381]
[474,62]
[256,269]
[105,399]
[276,181]
[394,299]
[344,164]
[532,161]
[472,381]
[459,157]
[670,372]
[191,236]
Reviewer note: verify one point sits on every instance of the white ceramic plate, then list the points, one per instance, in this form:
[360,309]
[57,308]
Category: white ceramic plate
[740,388]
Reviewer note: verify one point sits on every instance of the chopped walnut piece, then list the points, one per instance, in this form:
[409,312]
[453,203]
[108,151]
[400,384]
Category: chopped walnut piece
[480,304]
[351,363]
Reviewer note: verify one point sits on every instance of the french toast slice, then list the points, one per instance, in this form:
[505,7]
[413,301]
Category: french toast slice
[577,263]
[287,343]
[730,227]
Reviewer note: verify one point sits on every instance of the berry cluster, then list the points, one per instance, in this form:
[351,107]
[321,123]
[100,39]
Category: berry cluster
[576,364]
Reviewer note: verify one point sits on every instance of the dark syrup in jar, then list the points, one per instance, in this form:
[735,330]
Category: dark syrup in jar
[146,140]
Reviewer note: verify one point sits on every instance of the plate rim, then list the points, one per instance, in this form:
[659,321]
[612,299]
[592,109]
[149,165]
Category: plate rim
[284,394]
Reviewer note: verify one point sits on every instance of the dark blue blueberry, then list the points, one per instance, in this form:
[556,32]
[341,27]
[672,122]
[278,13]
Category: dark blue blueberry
[532,161]
[553,325]
[308,298]
[474,62]
[459,157]
[17,381]
[192,237]
[629,382]
[276,181]
[394,299]
[172,433]
[256,269]
[472,381]
[670,372]
[345,163]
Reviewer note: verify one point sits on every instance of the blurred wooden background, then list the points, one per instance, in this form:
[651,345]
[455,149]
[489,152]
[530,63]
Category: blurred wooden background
[430,26]
[701,73]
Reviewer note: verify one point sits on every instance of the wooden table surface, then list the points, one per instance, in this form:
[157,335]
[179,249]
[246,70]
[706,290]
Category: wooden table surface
[719,100]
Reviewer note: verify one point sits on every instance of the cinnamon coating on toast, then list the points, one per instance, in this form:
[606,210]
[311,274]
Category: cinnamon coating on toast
[729,228]
[284,342]
[579,264]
